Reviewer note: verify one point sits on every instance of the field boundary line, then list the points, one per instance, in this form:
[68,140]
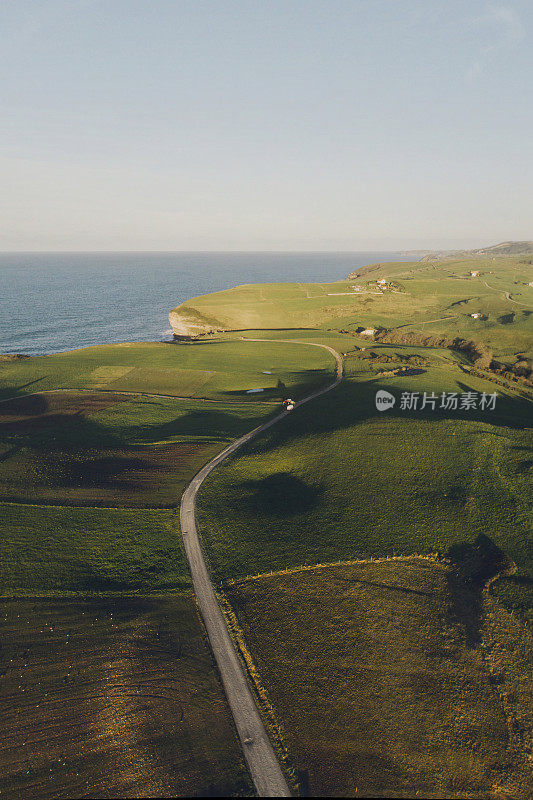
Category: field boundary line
[434,557]
[128,393]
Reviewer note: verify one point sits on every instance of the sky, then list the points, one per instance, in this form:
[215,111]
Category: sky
[265,124]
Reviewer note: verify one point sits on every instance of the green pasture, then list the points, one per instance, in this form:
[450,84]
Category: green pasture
[204,369]
[106,449]
[423,297]
[339,480]
[66,551]
[90,463]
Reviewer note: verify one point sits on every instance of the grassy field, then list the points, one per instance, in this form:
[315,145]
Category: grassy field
[340,480]
[380,687]
[78,472]
[83,461]
[113,698]
[430,298]
[90,481]
[210,369]
[115,695]
[60,551]
[106,449]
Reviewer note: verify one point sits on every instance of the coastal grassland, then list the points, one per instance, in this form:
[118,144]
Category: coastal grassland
[429,298]
[223,369]
[339,480]
[107,449]
[55,550]
[100,471]
[78,475]
[113,698]
[341,342]
[109,687]
[386,683]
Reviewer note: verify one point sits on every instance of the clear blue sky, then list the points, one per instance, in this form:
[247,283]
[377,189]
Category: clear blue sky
[265,124]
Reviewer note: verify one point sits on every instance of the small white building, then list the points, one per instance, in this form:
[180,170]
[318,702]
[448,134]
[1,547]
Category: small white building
[368,332]
[475,273]
[382,281]
[477,315]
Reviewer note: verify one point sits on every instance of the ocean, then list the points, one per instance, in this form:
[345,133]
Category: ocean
[52,302]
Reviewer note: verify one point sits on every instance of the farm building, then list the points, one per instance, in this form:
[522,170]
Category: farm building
[477,315]
[475,273]
[368,332]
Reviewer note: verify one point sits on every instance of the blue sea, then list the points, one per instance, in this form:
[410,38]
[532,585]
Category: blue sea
[51,302]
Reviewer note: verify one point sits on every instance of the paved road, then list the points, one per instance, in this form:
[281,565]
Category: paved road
[260,756]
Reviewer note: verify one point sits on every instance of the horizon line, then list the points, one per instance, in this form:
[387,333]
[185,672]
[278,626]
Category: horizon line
[373,250]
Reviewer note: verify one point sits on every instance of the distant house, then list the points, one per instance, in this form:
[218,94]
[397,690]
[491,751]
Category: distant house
[477,315]
[368,332]
[382,281]
[475,273]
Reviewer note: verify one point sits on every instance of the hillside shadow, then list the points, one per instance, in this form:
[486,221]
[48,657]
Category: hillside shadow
[17,397]
[280,495]
[60,431]
[352,403]
[306,380]
[98,472]
[210,422]
[134,575]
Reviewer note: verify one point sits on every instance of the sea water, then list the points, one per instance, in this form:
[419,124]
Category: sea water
[51,302]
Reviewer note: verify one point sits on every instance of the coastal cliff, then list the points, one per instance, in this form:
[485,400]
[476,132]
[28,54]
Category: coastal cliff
[187,322]
[242,307]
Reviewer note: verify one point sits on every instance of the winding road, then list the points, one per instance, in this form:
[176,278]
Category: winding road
[258,751]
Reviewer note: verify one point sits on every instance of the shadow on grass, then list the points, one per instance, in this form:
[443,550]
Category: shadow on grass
[132,576]
[65,432]
[22,403]
[474,563]
[353,403]
[99,472]
[280,495]
[218,424]
[304,382]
